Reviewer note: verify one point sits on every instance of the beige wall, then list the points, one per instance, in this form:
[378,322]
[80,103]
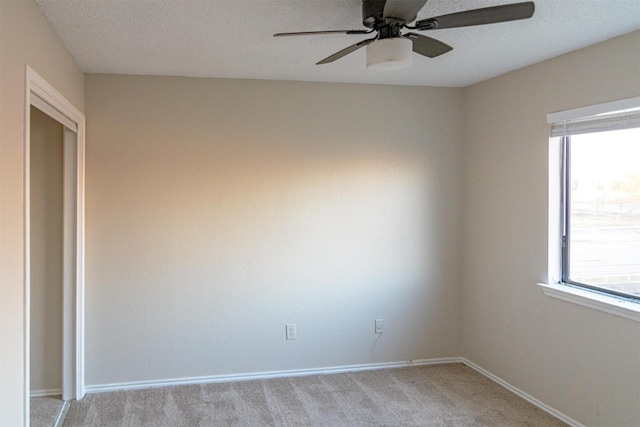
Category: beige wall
[220,210]
[46,253]
[25,38]
[582,362]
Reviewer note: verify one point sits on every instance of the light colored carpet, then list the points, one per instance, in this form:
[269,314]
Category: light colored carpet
[438,395]
[44,411]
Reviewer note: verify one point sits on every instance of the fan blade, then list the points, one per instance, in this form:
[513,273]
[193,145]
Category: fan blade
[427,46]
[372,11]
[345,51]
[487,15]
[407,10]
[311,33]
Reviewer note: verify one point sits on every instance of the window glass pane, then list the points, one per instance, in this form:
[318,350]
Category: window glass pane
[604,210]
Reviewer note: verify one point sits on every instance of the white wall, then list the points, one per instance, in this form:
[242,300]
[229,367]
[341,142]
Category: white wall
[220,210]
[46,157]
[25,38]
[584,363]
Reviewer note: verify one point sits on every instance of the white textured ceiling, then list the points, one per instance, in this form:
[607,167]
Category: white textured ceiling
[233,38]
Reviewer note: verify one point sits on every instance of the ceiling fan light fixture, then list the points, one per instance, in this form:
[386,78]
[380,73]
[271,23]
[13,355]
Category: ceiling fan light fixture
[389,54]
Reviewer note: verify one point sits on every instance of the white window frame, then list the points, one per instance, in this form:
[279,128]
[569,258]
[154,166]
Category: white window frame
[554,287]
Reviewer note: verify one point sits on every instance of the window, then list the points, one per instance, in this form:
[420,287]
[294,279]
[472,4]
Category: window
[599,209]
[601,240]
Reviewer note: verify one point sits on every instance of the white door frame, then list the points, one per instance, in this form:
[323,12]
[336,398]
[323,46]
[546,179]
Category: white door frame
[42,95]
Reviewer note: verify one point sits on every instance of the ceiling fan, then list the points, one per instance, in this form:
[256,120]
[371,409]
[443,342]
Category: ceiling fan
[391,48]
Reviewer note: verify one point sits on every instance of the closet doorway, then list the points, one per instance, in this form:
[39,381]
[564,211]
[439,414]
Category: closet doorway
[54,252]
[46,267]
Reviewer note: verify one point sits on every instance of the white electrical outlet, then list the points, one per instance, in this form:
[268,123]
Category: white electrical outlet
[378,326]
[291,331]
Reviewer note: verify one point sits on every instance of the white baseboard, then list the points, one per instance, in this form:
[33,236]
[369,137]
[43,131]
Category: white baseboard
[45,393]
[522,394]
[266,375]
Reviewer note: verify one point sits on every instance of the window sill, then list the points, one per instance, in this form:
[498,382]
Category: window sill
[608,304]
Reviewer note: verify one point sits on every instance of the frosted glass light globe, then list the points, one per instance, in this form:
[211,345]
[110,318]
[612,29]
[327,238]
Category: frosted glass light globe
[389,54]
